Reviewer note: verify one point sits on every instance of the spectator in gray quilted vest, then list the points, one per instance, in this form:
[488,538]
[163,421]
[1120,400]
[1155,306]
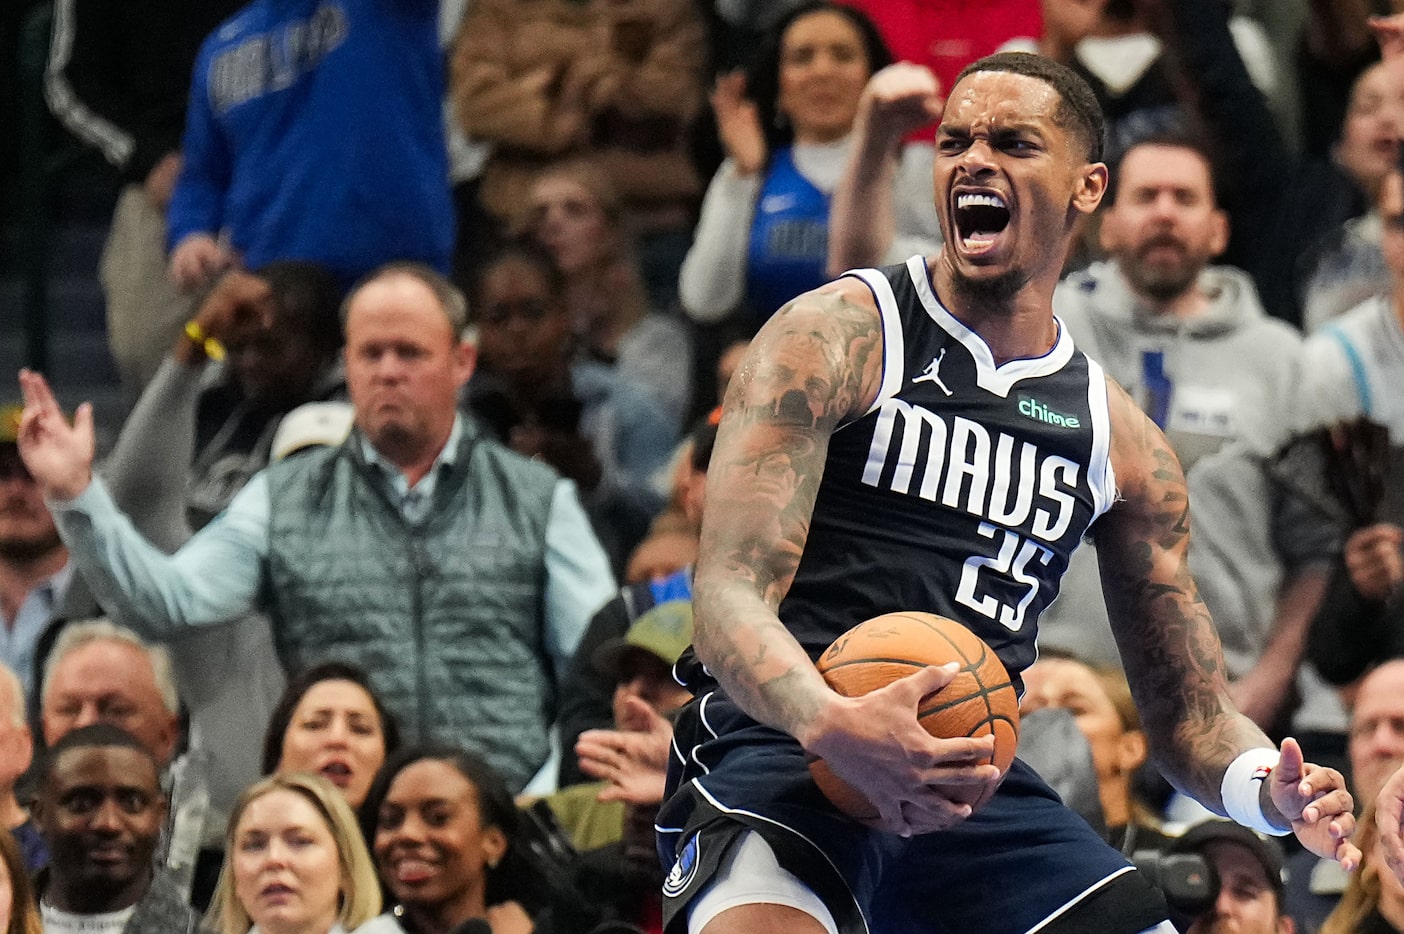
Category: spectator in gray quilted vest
[458,573]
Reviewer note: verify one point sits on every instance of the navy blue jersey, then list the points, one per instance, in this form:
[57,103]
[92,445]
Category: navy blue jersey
[962,490]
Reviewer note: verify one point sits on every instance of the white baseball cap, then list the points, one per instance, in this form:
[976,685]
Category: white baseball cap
[312,424]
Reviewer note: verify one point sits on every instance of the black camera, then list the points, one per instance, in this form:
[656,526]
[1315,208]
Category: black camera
[1187,880]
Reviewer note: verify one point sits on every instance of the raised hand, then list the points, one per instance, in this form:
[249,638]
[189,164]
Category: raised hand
[897,100]
[59,456]
[738,123]
[1066,23]
[1314,798]
[240,299]
[875,743]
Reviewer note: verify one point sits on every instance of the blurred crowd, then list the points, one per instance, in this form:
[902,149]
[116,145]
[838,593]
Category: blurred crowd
[423,309]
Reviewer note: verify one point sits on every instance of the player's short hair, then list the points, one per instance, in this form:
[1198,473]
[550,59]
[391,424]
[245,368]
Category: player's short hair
[78,634]
[1078,109]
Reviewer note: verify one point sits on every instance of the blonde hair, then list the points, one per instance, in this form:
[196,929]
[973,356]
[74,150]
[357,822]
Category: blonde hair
[24,908]
[1118,690]
[360,896]
[618,269]
[1362,893]
[597,183]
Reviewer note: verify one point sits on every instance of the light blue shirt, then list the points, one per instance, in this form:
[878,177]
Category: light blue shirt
[220,573]
[20,635]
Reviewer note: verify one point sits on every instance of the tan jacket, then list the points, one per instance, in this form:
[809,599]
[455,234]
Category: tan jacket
[616,80]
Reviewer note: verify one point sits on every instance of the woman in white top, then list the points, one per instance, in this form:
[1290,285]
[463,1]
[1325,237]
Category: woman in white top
[295,863]
[785,126]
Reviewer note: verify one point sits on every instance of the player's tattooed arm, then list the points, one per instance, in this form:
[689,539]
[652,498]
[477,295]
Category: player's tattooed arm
[1167,640]
[815,364]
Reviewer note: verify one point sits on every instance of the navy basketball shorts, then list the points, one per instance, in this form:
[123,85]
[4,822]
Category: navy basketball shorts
[1023,862]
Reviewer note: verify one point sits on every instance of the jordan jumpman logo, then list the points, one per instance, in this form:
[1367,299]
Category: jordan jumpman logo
[932,373]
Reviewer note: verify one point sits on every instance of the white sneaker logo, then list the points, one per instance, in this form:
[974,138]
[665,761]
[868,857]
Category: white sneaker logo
[932,373]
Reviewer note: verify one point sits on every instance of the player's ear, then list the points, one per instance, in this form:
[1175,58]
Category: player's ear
[1091,186]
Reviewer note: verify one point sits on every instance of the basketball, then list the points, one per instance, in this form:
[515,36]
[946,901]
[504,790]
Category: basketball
[979,701]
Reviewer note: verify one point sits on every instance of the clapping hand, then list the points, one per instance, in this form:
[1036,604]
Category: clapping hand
[1374,560]
[738,124]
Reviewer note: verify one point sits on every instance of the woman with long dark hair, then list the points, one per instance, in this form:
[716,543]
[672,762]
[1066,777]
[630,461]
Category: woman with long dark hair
[452,849]
[330,722]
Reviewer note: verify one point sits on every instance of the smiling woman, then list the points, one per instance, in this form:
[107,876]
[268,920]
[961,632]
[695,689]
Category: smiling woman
[451,848]
[296,863]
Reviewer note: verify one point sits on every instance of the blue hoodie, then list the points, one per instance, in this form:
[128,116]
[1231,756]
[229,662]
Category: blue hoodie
[314,132]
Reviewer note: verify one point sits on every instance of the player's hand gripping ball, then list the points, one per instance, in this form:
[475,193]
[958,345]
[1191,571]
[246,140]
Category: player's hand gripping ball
[979,701]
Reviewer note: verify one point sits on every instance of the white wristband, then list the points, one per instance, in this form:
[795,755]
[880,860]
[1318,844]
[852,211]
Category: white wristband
[1242,787]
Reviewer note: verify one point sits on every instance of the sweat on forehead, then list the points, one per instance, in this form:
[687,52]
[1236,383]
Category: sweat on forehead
[1078,110]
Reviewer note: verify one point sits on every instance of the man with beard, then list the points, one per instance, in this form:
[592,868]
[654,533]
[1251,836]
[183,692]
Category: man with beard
[34,568]
[926,437]
[1192,345]
[100,810]
[1190,342]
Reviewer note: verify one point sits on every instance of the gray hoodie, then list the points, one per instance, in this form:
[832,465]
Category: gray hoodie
[1222,384]
[1229,373]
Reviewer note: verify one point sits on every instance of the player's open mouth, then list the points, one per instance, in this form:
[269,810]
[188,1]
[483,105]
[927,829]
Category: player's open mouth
[979,217]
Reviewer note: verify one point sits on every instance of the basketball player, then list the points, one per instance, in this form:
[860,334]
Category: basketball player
[847,483]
